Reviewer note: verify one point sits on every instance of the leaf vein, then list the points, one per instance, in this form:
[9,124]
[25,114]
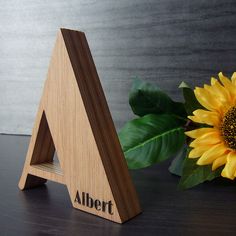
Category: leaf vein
[153,138]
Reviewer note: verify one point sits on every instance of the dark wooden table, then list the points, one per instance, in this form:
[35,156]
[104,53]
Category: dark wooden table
[209,209]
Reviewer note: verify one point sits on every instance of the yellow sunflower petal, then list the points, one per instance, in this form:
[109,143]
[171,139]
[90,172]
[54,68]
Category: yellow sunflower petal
[198,151]
[205,117]
[227,84]
[211,154]
[230,166]
[213,80]
[206,99]
[224,80]
[220,161]
[233,78]
[199,132]
[207,139]
[222,94]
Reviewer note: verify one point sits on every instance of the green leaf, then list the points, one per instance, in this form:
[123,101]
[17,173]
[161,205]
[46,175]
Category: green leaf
[176,166]
[191,103]
[194,174]
[150,139]
[145,98]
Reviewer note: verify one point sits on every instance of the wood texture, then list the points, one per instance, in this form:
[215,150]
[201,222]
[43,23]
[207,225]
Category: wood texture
[208,209]
[74,119]
[162,41]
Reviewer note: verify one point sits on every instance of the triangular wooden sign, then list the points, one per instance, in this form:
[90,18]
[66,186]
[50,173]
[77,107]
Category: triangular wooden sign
[74,119]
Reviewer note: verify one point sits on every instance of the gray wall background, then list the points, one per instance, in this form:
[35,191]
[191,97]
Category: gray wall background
[163,41]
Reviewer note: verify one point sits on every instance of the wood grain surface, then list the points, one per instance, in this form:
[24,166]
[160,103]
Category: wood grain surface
[163,41]
[208,209]
[73,118]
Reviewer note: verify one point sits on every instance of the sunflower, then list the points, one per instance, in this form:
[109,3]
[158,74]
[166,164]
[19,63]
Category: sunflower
[215,142]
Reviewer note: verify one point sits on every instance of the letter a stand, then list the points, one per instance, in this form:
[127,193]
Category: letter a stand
[73,119]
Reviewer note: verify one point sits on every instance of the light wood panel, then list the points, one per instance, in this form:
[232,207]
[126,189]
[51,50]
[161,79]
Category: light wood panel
[73,118]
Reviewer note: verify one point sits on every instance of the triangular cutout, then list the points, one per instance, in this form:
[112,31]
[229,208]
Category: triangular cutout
[44,164]
[73,105]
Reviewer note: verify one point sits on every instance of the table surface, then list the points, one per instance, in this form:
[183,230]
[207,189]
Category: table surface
[208,209]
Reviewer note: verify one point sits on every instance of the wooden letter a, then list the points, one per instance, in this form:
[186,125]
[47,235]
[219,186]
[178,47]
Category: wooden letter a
[74,119]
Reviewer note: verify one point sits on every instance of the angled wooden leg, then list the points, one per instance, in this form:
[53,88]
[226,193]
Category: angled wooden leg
[41,150]
[30,181]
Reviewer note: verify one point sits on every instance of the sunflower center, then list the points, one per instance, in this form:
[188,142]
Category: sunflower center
[228,128]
